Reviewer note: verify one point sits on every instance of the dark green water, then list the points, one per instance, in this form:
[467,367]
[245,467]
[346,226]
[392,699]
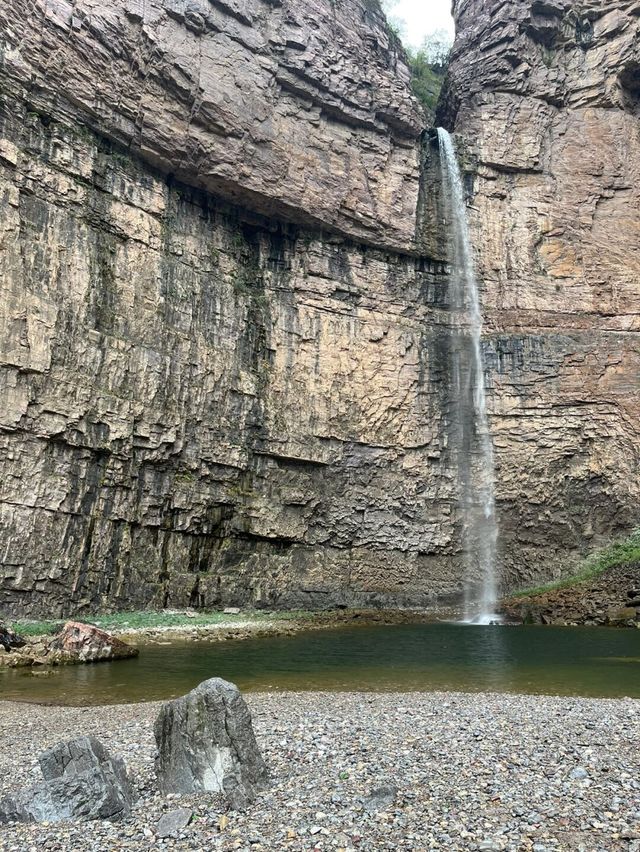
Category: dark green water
[546,660]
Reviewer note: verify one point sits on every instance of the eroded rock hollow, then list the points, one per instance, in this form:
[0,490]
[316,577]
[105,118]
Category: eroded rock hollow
[223,299]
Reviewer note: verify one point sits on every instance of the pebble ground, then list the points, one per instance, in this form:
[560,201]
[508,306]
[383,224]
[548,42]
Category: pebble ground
[472,772]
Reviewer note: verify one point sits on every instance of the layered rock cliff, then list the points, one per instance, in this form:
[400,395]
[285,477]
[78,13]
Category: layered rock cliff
[545,97]
[220,347]
[224,338]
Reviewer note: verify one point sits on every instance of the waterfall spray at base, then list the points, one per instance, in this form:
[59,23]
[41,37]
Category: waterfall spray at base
[469,421]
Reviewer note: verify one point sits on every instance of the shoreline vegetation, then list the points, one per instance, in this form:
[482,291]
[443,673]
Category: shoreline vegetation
[603,591]
[615,555]
[142,626]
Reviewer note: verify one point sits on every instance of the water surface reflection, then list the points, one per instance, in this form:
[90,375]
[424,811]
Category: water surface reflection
[408,657]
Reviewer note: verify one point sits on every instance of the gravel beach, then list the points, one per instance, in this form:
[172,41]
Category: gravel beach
[472,772]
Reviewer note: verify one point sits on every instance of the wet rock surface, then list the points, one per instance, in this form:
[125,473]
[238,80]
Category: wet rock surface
[609,600]
[206,744]
[471,771]
[82,781]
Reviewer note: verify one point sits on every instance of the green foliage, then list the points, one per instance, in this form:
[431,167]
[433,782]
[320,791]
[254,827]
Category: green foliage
[37,628]
[426,82]
[428,64]
[614,556]
[435,50]
[121,622]
[429,68]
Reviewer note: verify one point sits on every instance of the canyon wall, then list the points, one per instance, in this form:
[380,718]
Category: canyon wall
[222,350]
[224,347]
[545,98]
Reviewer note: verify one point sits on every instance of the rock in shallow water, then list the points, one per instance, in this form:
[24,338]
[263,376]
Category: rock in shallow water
[206,743]
[81,781]
[84,643]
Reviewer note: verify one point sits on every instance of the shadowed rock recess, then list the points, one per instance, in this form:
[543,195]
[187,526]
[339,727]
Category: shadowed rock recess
[224,335]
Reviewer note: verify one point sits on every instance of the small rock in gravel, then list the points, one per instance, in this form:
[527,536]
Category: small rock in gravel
[579,773]
[512,786]
[380,798]
[173,822]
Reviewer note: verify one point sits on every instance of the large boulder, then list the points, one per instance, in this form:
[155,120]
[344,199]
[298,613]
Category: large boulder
[206,743]
[84,643]
[81,781]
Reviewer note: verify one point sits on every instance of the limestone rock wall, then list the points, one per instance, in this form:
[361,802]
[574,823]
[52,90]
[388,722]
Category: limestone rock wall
[224,347]
[545,98]
[296,109]
[222,355]
[202,406]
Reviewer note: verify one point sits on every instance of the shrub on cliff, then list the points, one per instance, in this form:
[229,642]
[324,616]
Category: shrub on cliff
[429,69]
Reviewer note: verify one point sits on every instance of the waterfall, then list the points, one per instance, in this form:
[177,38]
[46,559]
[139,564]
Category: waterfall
[469,432]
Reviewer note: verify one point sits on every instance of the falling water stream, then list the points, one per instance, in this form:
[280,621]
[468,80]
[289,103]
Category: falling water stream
[469,421]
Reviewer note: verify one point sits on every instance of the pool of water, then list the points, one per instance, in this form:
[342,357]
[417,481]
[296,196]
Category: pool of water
[547,660]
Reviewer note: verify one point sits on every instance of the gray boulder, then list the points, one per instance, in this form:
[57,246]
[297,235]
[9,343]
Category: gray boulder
[81,781]
[172,822]
[31,805]
[206,743]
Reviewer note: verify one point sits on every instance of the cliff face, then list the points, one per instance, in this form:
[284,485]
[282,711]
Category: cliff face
[295,109]
[545,97]
[221,351]
[224,335]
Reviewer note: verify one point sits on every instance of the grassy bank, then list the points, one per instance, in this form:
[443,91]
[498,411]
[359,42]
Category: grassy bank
[121,622]
[615,555]
[243,623]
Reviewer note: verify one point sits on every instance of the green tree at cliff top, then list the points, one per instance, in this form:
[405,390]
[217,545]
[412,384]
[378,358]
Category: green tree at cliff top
[428,64]
[429,67]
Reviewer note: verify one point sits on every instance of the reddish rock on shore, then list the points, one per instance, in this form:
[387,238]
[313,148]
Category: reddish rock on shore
[83,643]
